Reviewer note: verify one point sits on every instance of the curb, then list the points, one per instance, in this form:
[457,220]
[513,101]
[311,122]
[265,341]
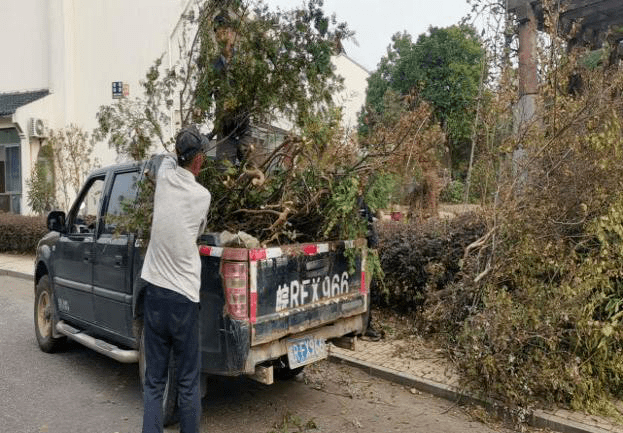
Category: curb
[16,274]
[536,418]
[542,419]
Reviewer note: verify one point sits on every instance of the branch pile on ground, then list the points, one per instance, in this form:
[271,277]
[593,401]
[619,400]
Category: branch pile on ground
[536,317]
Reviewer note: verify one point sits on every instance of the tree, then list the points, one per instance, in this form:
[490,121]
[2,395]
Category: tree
[444,68]
[407,138]
[41,195]
[239,66]
[71,151]
[133,125]
[256,65]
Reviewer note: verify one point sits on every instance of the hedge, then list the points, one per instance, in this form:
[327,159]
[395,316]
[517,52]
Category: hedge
[423,257]
[21,234]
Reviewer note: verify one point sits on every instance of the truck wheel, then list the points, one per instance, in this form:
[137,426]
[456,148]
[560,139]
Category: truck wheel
[170,413]
[44,313]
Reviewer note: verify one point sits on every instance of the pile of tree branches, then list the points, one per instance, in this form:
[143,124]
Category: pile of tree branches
[544,324]
[312,186]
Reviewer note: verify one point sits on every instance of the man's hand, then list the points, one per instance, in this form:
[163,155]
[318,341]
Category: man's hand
[153,165]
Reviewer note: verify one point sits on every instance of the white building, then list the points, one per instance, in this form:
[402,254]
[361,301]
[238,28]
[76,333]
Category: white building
[61,58]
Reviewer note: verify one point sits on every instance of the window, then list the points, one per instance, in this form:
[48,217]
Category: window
[84,218]
[122,196]
[10,170]
[13,177]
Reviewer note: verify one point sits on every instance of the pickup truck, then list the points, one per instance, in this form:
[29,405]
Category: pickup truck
[265,312]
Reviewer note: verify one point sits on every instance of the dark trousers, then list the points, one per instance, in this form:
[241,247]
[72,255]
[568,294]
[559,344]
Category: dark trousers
[171,325]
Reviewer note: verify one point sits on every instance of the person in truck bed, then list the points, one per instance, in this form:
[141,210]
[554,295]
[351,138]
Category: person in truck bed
[372,237]
[172,269]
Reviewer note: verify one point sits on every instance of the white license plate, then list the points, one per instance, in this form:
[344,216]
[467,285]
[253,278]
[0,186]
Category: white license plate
[305,350]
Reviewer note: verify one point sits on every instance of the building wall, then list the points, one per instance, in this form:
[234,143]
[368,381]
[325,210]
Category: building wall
[353,96]
[116,40]
[24,33]
[76,49]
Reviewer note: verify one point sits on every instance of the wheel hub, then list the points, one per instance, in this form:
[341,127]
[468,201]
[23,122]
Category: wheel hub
[45,314]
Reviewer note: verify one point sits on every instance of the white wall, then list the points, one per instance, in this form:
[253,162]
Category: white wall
[353,96]
[76,49]
[24,33]
[117,40]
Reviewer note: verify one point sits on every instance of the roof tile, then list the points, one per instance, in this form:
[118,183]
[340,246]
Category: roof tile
[10,102]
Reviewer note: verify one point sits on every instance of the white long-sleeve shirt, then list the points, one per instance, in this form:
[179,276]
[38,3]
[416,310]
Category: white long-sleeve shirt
[180,210]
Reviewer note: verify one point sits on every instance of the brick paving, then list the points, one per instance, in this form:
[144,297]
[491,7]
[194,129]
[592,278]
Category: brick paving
[385,353]
[405,362]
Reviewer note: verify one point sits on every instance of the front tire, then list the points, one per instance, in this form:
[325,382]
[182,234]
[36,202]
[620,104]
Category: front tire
[44,317]
[170,413]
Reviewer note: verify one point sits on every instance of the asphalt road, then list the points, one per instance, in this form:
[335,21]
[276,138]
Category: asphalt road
[78,390]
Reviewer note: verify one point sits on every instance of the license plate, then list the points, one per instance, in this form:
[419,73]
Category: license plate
[305,350]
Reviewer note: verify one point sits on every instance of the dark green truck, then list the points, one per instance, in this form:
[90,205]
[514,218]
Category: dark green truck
[264,312]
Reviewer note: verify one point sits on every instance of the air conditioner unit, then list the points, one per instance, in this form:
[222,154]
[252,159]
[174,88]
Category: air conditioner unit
[38,128]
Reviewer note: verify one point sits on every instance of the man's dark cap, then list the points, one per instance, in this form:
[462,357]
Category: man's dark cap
[221,20]
[190,142]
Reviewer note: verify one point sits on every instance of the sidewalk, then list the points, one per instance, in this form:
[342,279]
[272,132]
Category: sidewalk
[17,265]
[405,363]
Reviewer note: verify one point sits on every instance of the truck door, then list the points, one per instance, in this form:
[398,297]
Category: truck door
[114,249]
[73,269]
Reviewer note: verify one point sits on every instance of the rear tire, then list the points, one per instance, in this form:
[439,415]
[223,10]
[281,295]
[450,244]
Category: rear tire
[44,317]
[170,414]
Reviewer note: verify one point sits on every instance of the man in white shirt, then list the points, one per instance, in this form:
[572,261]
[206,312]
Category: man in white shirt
[172,269]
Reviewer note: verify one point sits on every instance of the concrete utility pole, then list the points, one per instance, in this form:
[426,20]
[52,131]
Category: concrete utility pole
[525,110]
[528,81]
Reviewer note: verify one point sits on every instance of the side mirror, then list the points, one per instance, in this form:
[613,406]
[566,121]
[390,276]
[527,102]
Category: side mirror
[56,221]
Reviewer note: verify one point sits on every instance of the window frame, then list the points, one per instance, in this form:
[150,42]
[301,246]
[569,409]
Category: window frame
[106,206]
[75,209]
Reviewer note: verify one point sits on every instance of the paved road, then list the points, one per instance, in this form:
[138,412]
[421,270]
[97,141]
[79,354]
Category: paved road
[78,390]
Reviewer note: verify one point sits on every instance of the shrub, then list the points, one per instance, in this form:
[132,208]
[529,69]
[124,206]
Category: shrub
[20,234]
[419,259]
[533,316]
[41,194]
[453,192]
[536,318]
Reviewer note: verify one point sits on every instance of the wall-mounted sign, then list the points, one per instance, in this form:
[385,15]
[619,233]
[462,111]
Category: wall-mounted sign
[120,90]
[117,89]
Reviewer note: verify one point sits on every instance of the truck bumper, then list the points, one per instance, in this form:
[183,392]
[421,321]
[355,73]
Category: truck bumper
[276,349]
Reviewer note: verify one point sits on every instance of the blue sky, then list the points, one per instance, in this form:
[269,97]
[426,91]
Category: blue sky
[375,21]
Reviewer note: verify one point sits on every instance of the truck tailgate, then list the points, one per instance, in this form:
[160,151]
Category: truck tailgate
[258,303]
[300,287]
